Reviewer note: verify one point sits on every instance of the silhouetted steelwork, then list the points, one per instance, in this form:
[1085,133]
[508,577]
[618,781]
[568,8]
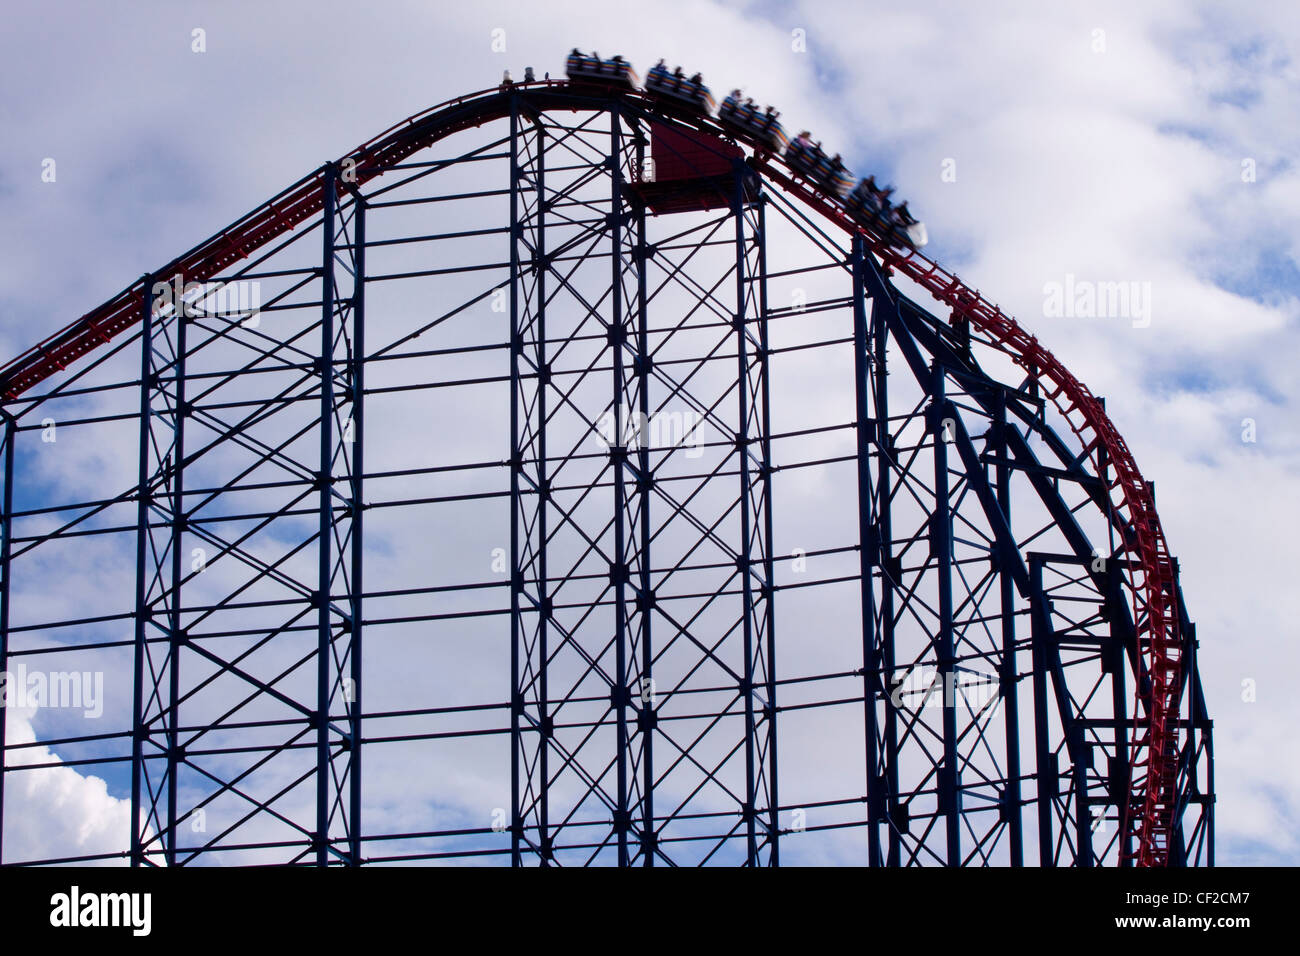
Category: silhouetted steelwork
[635,558]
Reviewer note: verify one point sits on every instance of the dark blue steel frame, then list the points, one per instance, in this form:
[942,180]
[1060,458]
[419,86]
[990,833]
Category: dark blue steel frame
[889,459]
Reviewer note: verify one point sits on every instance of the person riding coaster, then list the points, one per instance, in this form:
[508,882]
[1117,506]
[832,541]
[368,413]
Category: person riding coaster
[679,86]
[741,110]
[741,113]
[909,230]
[868,203]
[617,71]
[869,198]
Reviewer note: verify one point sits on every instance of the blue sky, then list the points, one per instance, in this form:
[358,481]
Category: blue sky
[1120,163]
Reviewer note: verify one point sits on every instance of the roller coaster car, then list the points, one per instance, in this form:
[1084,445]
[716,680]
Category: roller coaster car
[868,204]
[615,71]
[907,229]
[807,158]
[690,92]
[745,118]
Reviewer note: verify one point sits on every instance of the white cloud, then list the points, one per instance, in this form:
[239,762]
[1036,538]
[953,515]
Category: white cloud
[1114,165]
[55,812]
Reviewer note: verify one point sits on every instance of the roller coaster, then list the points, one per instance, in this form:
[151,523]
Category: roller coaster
[461,333]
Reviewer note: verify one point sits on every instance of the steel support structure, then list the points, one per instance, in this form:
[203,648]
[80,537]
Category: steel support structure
[629,694]
[598,457]
[180,733]
[7,441]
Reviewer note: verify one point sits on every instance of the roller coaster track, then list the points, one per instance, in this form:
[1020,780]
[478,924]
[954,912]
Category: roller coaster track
[1149,817]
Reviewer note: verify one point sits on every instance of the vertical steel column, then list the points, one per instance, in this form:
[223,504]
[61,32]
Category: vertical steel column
[1119,774]
[620,693]
[868,548]
[543,497]
[884,536]
[1046,780]
[1007,678]
[532,725]
[645,484]
[141,551]
[769,562]
[175,636]
[941,542]
[6,533]
[744,561]
[1207,730]
[356,607]
[516,466]
[324,643]
[1083,823]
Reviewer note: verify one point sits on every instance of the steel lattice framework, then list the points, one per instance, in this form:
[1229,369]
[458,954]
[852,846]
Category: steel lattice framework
[655,512]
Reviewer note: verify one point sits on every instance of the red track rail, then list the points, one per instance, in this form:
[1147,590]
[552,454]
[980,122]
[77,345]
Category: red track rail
[1149,817]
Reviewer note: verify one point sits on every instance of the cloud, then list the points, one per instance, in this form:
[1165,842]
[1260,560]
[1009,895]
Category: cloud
[1113,164]
[56,812]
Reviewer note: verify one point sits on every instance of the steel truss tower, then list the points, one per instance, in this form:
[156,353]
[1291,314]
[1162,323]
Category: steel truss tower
[657,503]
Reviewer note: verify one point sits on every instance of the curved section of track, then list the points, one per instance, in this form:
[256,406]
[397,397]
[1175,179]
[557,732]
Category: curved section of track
[1150,814]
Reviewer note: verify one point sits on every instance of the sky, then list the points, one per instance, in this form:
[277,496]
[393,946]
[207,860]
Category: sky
[1044,146]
